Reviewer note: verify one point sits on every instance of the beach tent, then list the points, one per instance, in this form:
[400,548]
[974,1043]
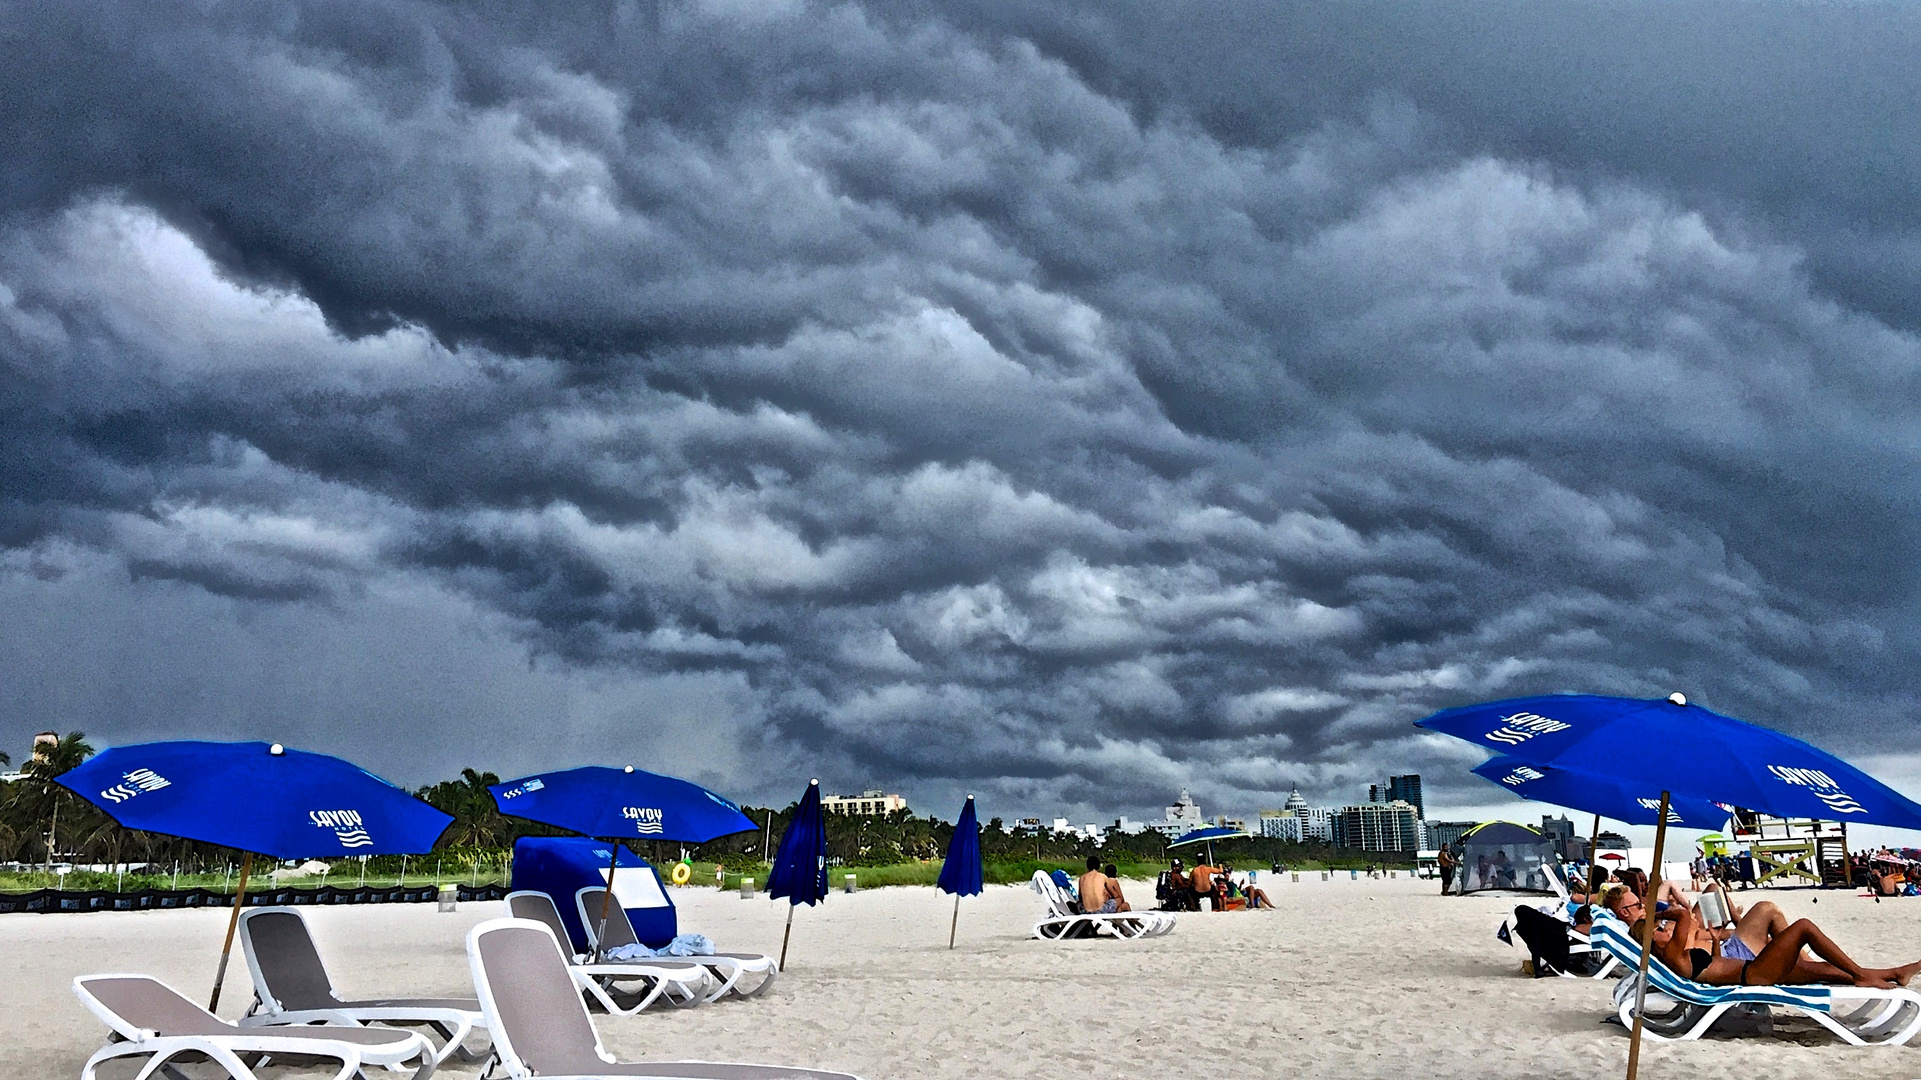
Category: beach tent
[561,866]
[1505,856]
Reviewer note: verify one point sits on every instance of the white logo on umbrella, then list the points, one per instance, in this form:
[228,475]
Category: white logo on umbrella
[1522,726]
[346,825]
[1674,818]
[136,782]
[646,819]
[1522,775]
[1821,786]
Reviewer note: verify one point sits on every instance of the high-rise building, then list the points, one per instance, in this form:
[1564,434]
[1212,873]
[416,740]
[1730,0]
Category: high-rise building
[1559,832]
[1406,789]
[1385,826]
[1442,834]
[1183,817]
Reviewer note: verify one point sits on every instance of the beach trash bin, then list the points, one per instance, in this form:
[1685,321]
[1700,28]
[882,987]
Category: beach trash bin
[1353,875]
[449,898]
[1327,875]
[849,887]
[746,888]
[1296,875]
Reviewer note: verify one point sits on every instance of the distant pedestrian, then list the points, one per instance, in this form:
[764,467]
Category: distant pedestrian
[1447,870]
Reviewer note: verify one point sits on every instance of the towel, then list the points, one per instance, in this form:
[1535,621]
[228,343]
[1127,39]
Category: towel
[682,945]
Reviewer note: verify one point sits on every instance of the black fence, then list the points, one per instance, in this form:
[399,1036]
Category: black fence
[50,901]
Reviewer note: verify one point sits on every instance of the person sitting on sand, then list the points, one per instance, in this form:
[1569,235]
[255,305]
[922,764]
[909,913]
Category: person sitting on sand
[1780,963]
[1112,874]
[1256,897]
[1096,897]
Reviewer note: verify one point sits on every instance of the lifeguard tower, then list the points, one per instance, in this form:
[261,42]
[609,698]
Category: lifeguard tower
[1794,848]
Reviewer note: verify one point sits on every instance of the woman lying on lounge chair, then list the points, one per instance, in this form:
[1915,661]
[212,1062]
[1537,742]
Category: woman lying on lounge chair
[1780,963]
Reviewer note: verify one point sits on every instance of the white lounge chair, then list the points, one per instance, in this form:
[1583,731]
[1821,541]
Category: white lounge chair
[542,1029]
[1682,1009]
[727,967]
[291,986]
[1062,921]
[150,1019]
[623,987]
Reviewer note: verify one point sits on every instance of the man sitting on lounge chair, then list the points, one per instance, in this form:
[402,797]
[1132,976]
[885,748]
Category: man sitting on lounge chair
[1097,897]
[1682,946]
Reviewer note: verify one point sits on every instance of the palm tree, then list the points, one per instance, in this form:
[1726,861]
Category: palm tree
[55,759]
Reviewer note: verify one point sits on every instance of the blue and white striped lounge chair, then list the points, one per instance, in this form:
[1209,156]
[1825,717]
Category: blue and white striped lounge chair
[1683,1009]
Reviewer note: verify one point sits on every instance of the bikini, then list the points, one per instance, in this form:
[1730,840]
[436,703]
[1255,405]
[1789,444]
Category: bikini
[1699,959]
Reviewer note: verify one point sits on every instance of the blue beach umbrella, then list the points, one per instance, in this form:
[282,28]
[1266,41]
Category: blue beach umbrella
[961,874]
[1682,750]
[1666,744]
[255,797]
[1597,795]
[620,804]
[1208,836]
[800,863]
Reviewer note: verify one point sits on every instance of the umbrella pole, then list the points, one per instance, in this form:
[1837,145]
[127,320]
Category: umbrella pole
[954,925]
[1647,936]
[789,932]
[1593,850]
[239,895]
[607,899]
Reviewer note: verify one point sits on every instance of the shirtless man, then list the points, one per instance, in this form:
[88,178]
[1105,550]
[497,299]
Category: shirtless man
[1096,898]
[1779,962]
[1112,874]
[1204,886]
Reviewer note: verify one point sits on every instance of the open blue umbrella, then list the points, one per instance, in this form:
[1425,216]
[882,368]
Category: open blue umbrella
[1666,744]
[800,863]
[1602,796]
[960,873]
[255,797]
[620,804]
[1679,749]
[1208,836]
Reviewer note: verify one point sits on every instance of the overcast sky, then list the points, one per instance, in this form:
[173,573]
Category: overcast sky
[1065,403]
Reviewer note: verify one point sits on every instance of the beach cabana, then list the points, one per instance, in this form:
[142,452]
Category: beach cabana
[1500,855]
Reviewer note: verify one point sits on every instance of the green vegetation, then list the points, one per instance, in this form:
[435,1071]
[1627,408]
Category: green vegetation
[43,825]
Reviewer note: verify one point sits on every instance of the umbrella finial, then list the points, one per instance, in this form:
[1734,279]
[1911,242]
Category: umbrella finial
[815,782]
[629,768]
[276,749]
[1678,698]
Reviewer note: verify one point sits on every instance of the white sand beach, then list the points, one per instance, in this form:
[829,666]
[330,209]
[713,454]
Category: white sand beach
[1345,979]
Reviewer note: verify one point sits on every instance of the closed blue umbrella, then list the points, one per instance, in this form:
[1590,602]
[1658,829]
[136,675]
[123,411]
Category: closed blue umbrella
[255,797]
[961,874]
[1680,749]
[800,863]
[620,804]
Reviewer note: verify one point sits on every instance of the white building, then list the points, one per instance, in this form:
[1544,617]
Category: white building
[874,802]
[1183,817]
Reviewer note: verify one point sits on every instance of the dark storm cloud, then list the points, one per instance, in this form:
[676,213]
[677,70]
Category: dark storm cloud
[1062,404]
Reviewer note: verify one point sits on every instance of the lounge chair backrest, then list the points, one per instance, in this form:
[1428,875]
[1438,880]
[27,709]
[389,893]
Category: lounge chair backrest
[286,966]
[533,1008]
[537,907]
[131,1004]
[619,930]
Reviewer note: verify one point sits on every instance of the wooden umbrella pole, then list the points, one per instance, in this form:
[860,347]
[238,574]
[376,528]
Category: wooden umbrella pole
[1647,937]
[606,901]
[789,932]
[233,923]
[955,924]
[1593,858]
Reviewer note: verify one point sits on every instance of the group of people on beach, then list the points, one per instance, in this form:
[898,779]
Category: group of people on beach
[1182,889]
[1756,946]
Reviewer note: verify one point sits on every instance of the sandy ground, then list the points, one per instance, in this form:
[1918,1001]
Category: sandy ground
[1345,979]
